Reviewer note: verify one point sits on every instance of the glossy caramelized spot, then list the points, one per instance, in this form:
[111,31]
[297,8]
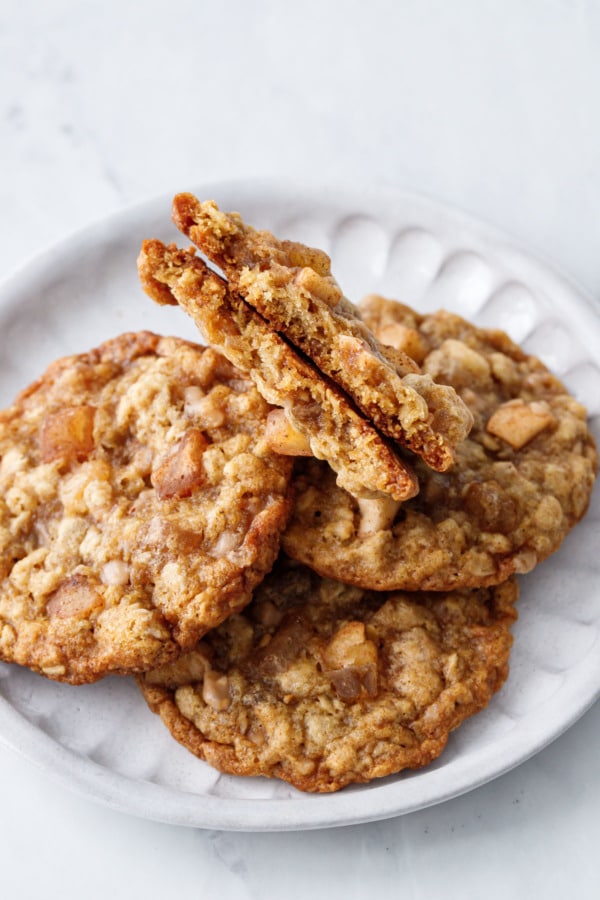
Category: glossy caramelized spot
[182,471]
[68,434]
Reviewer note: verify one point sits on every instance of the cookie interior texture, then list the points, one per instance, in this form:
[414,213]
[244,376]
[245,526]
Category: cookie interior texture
[334,431]
[322,684]
[292,287]
[139,506]
[522,479]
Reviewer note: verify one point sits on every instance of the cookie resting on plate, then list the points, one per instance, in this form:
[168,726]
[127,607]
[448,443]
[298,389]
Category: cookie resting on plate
[292,287]
[322,684]
[522,478]
[139,506]
[316,417]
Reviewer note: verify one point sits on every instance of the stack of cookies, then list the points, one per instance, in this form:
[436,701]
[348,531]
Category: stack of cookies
[303,537]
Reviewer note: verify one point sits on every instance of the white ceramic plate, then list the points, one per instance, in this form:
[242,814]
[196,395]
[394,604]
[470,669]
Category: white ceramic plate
[101,739]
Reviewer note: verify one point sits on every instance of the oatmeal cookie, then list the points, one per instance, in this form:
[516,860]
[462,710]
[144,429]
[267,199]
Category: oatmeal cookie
[314,408]
[322,684]
[292,287]
[522,479]
[139,506]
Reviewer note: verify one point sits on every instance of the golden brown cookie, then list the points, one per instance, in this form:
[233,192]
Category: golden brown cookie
[521,481]
[139,506]
[292,287]
[364,462]
[322,685]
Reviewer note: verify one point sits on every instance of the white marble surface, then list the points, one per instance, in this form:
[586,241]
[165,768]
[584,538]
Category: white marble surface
[491,106]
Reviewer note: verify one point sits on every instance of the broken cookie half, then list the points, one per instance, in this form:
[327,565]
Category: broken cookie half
[292,287]
[318,419]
